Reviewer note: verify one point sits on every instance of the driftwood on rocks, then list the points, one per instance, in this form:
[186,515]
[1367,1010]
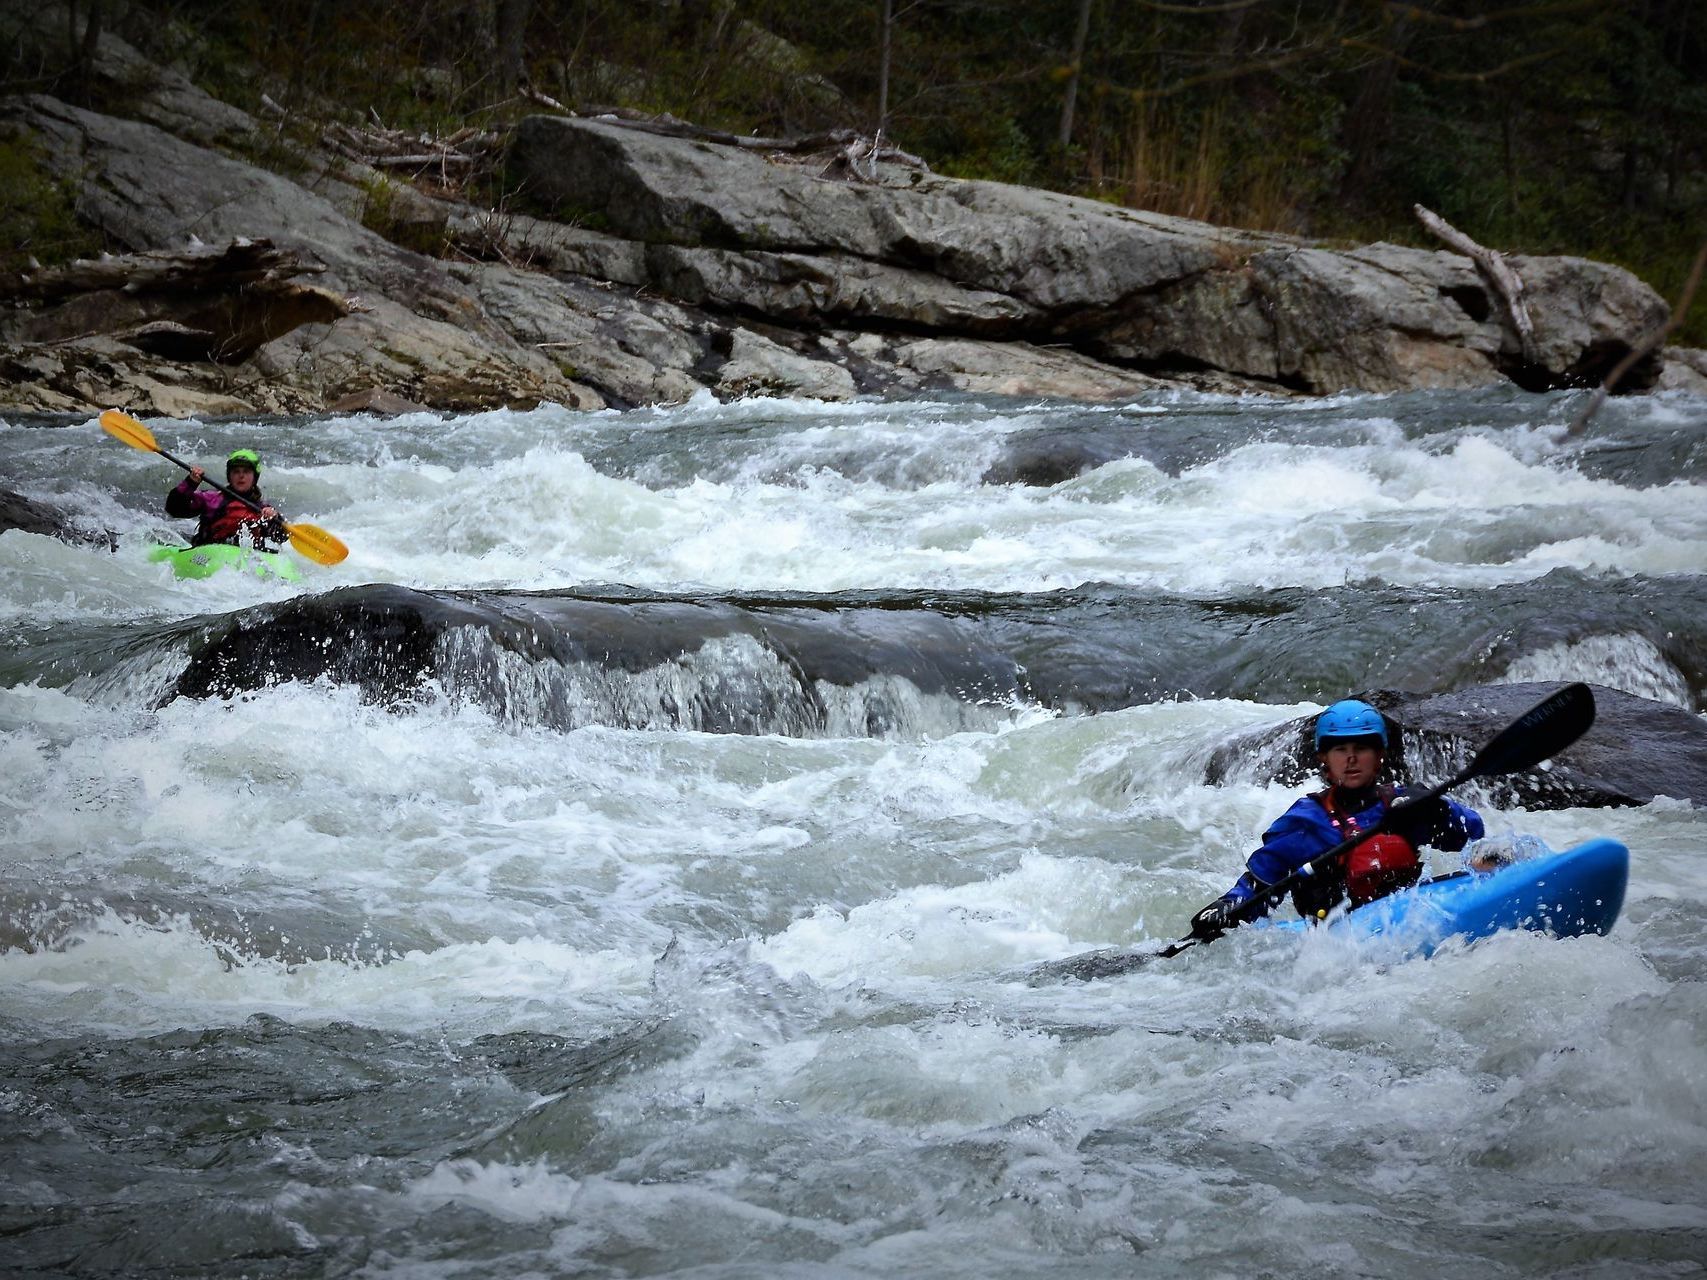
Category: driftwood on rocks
[844,149]
[240,262]
[1496,271]
[206,303]
[450,160]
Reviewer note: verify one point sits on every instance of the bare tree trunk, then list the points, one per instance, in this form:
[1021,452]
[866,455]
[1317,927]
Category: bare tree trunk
[510,21]
[299,56]
[1366,133]
[1509,155]
[883,48]
[80,48]
[91,35]
[1081,31]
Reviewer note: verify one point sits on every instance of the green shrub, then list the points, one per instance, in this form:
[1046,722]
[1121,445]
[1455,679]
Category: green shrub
[403,217]
[38,211]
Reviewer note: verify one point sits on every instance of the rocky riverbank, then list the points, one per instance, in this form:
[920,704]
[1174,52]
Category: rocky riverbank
[672,265]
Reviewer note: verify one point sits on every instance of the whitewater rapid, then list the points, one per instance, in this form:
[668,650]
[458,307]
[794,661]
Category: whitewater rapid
[311,980]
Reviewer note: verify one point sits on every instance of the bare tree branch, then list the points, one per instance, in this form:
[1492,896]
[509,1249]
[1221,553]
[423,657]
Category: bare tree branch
[1470,77]
[1480,20]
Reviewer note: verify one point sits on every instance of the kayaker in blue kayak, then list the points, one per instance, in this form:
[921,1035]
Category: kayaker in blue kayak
[1351,744]
[222,518]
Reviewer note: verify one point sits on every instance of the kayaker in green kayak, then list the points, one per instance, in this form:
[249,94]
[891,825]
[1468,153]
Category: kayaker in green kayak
[1351,746]
[222,519]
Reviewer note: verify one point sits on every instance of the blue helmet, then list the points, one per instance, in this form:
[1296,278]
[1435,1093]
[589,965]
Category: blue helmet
[1350,719]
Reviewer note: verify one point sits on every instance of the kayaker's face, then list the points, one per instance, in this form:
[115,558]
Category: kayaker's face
[1352,764]
[242,478]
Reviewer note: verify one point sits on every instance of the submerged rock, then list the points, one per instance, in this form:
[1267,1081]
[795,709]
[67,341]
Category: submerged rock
[19,512]
[1637,749]
[912,664]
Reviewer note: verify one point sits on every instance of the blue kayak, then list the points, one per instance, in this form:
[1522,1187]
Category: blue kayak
[1561,894]
[1578,891]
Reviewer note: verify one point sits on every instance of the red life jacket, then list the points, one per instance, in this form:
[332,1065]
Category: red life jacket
[226,523]
[1377,866]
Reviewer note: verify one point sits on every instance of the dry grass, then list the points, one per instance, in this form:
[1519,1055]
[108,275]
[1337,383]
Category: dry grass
[1184,166]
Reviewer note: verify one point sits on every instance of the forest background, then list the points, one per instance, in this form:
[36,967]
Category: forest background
[1562,126]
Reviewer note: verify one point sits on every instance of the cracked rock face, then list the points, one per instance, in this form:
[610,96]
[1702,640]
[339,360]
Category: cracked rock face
[672,265]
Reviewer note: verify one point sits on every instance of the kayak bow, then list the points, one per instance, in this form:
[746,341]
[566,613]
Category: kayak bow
[204,562]
[1563,895]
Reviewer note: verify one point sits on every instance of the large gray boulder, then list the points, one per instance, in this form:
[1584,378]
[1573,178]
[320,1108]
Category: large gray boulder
[725,226]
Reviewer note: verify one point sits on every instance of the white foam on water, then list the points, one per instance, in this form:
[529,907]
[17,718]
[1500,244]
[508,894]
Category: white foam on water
[116,976]
[508,499]
[529,1193]
[1631,663]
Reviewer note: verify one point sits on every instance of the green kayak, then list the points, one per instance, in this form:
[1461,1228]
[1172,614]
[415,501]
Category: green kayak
[204,562]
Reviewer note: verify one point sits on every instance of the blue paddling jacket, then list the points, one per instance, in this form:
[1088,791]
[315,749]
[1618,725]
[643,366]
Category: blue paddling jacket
[1308,829]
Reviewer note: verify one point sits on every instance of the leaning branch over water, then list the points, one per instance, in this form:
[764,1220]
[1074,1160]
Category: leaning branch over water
[1642,348]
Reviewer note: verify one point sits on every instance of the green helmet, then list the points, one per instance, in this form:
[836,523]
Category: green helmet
[246,458]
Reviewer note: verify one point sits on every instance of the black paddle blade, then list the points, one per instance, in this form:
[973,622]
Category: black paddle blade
[1110,962]
[1538,734]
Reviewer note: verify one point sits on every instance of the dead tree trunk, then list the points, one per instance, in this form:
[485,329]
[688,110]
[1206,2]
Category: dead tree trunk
[510,21]
[884,45]
[1081,32]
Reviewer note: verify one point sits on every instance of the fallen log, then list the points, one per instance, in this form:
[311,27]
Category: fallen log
[242,262]
[207,303]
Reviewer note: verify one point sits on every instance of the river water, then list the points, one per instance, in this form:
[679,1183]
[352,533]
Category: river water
[627,861]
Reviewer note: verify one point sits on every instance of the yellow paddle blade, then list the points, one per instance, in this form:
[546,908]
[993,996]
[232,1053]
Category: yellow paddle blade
[315,543]
[121,426]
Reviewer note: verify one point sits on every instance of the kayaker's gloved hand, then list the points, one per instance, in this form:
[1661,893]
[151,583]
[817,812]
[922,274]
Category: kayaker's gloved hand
[1214,920]
[1416,822]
